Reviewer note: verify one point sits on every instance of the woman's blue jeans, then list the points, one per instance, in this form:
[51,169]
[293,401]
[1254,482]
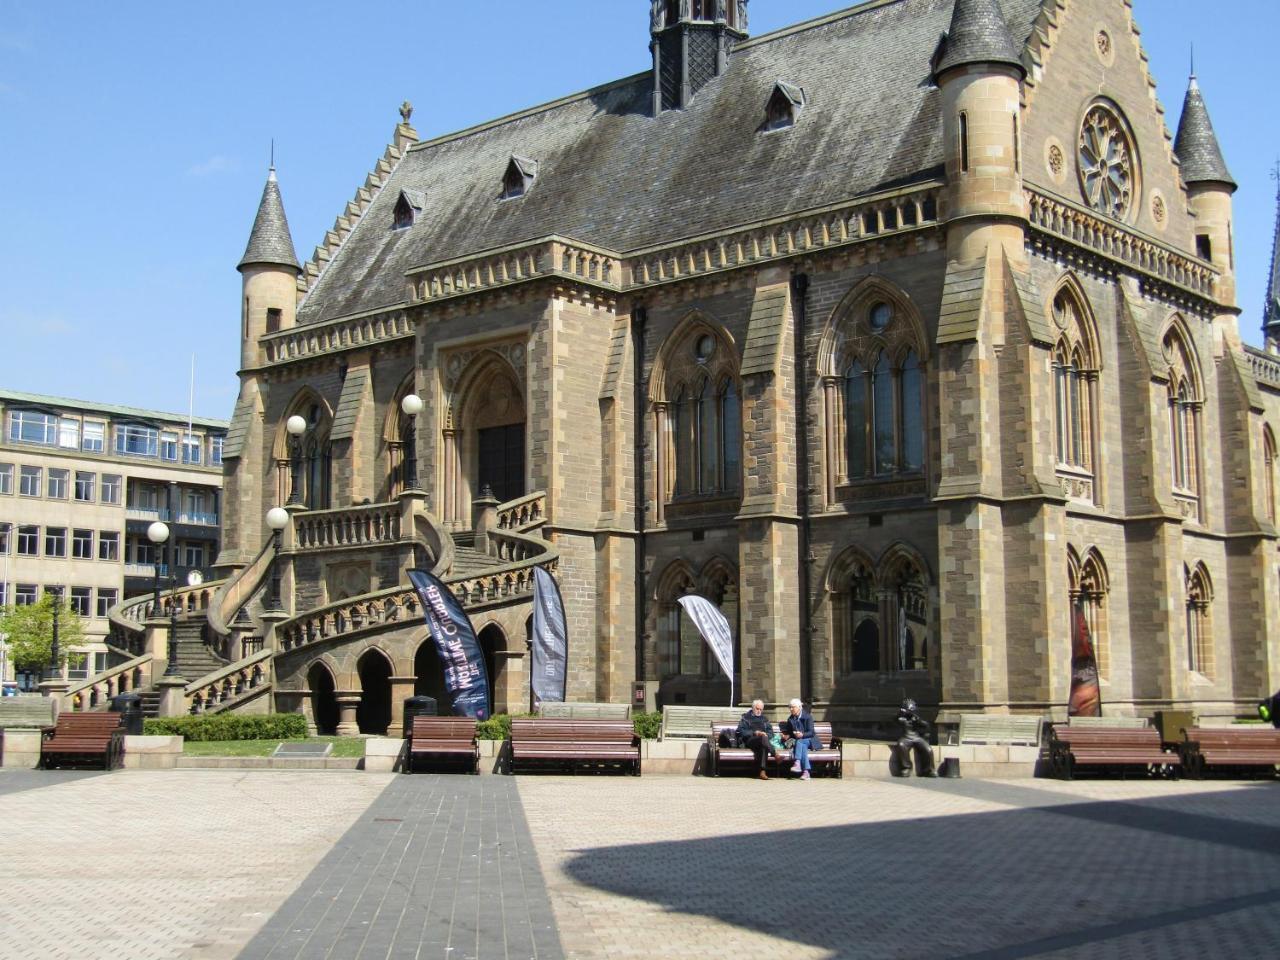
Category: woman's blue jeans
[802,748]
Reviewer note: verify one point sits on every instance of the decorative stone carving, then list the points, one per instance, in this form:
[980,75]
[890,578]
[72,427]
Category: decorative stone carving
[1108,175]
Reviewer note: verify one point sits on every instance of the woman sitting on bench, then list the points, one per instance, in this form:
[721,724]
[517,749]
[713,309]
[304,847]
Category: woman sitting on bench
[798,728]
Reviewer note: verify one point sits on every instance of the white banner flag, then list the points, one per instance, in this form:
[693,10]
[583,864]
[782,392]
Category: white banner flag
[714,629]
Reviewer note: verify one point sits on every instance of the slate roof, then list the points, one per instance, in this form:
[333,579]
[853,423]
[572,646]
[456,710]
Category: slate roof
[1197,145]
[979,34]
[611,174]
[270,241]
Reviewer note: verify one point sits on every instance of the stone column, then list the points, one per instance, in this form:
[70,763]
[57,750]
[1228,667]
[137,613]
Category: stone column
[484,517]
[348,701]
[173,700]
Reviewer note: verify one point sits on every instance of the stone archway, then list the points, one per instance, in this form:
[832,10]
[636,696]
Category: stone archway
[373,715]
[485,437]
[324,701]
[492,642]
[428,672]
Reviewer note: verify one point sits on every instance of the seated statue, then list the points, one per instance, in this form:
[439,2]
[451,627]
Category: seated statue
[915,739]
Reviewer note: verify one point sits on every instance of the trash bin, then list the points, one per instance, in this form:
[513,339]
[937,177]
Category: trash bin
[130,706]
[418,707]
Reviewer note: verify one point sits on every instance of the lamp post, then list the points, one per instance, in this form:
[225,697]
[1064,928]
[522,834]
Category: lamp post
[157,533]
[411,405]
[296,426]
[277,520]
[54,670]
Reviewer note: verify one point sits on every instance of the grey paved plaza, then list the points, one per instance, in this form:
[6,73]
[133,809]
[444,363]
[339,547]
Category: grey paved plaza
[268,864]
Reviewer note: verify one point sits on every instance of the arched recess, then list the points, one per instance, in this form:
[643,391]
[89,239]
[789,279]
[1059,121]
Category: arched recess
[687,670]
[375,669]
[493,641]
[855,612]
[696,397]
[1185,398]
[1200,649]
[305,464]
[399,441]
[1077,366]
[872,363]
[1269,473]
[428,672]
[484,437]
[324,701]
[908,601]
[1090,586]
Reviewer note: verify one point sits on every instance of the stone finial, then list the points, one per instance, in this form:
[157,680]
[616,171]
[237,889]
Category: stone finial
[406,111]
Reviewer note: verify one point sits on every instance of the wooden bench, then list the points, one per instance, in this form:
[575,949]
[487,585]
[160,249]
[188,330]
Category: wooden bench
[28,713]
[83,738]
[1230,750]
[1102,748]
[981,729]
[691,722]
[450,740]
[830,759]
[570,745]
[585,711]
[1110,723]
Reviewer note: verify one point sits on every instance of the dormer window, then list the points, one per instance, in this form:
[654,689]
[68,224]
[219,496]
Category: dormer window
[519,177]
[785,104]
[407,208]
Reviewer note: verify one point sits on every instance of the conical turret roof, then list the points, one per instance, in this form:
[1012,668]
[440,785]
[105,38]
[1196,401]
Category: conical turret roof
[979,34]
[270,241]
[1197,145]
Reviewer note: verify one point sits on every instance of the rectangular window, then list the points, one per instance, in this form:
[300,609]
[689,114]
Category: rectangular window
[143,496]
[24,594]
[58,483]
[1204,247]
[6,478]
[273,319]
[215,450]
[192,448]
[106,600]
[82,600]
[4,594]
[69,433]
[135,441]
[29,481]
[110,488]
[108,545]
[82,544]
[29,541]
[143,551]
[964,142]
[85,484]
[55,541]
[5,530]
[193,555]
[93,436]
[168,446]
[27,426]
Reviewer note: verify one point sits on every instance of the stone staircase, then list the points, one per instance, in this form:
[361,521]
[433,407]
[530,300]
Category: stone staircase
[467,560]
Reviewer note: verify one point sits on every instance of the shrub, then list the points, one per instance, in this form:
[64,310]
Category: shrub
[230,726]
[648,725]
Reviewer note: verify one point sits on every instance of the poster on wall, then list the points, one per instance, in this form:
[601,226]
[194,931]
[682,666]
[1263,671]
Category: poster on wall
[706,616]
[550,640]
[465,677]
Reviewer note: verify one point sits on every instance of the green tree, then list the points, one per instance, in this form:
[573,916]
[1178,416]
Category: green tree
[29,632]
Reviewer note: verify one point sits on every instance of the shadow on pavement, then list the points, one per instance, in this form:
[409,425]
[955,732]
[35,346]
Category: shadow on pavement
[1016,883]
[16,781]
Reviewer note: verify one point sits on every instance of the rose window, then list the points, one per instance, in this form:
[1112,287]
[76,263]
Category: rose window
[1107,172]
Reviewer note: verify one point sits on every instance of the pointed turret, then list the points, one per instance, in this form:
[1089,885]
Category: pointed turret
[979,34]
[691,41]
[1271,311]
[270,241]
[1197,145]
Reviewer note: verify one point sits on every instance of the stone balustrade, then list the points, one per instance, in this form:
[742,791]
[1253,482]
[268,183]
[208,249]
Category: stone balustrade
[362,526]
[98,690]
[319,338]
[1110,238]
[1264,366]
[524,513]
[210,693]
[548,257]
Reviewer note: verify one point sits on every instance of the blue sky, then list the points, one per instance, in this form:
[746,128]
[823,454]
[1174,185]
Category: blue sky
[135,140]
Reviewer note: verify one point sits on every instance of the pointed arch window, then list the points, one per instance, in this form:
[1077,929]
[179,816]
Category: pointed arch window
[912,428]
[1200,654]
[884,417]
[730,438]
[1074,378]
[1184,419]
[1090,592]
[1269,472]
[708,454]
[856,407]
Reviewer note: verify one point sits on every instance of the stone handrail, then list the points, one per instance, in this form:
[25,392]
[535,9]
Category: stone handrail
[524,513]
[128,618]
[236,591]
[438,544]
[1081,226]
[341,334]
[368,525]
[94,692]
[493,269]
[1264,366]
[226,684]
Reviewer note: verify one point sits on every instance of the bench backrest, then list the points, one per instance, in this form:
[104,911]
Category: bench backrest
[1107,736]
[1111,722]
[574,731]
[982,728]
[1244,737]
[444,728]
[87,724]
[821,727]
[18,712]
[585,711]
[683,721]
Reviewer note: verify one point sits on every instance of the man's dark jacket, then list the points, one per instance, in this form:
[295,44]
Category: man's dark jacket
[750,724]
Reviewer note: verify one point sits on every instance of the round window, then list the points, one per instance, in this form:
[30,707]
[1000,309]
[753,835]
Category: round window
[1108,169]
[880,315]
[704,347]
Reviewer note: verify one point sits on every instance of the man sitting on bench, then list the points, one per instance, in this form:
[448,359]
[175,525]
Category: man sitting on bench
[754,731]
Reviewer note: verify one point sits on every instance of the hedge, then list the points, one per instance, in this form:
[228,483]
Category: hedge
[498,727]
[230,726]
[648,725]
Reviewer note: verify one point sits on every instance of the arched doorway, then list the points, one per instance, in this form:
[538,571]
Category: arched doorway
[866,647]
[428,674]
[324,703]
[492,640]
[484,435]
[374,713]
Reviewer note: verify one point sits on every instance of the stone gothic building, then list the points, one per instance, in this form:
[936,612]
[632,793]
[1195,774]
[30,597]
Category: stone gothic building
[895,333]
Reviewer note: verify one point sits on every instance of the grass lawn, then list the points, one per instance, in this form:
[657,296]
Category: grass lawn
[342,747]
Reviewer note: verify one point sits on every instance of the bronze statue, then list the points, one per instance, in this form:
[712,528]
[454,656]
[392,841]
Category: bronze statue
[915,739]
